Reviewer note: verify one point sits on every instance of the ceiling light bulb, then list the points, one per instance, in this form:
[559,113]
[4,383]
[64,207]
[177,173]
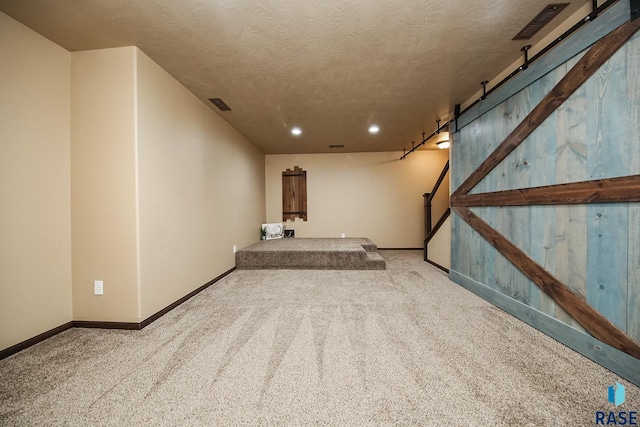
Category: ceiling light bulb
[296,131]
[443,144]
[374,129]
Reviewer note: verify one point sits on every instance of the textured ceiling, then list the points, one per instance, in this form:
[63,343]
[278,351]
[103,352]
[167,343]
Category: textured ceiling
[331,67]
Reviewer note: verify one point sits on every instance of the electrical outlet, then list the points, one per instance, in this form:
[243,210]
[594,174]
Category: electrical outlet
[98,287]
[343,235]
[234,249]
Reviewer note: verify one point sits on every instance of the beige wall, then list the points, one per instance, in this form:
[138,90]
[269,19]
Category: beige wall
[103,192]
[439,250]
[35,252]
[162,187]
[111,170]
[201,189]
[372,195]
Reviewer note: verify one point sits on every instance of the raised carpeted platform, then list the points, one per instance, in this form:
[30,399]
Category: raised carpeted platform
[311,254]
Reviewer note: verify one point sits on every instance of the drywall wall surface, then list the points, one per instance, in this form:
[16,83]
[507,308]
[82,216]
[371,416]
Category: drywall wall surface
[372,195]
[35,243]
[201,189]
[439,249]
[103,196]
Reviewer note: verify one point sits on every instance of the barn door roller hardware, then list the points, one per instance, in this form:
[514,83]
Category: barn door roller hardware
[635,9]
[597,10]
[635,13]
[456,114]
[594,6]
[525,49]
[484,88]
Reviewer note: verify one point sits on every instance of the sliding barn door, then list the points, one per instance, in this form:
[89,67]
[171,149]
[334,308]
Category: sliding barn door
[546,200]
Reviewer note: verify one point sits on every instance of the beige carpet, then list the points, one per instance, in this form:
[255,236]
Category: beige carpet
[402,346]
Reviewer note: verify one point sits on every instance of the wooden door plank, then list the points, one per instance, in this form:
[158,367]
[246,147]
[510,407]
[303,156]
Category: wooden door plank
[607,224]
[303,195]
[543,251]
[472,161]
[542,158]
[459,157]
[507,118]
[589,64]
[572,302]
[571,221]
[484,139]
[286,195]
[295,193]
[571,253]
[514,171]
[633,124]
[460,231]
[456,174]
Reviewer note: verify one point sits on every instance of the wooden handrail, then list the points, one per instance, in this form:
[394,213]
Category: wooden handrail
[439,181]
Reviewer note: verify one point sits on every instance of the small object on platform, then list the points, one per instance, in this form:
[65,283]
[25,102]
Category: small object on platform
[289,233]
[272,231]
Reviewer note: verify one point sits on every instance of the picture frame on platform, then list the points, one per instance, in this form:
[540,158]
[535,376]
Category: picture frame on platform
[273,231]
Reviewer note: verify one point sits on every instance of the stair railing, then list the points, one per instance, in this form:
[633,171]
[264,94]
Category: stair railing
[431,229]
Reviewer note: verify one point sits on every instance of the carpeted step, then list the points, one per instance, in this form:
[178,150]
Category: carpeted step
[369,247]
[375,261]
[312,254]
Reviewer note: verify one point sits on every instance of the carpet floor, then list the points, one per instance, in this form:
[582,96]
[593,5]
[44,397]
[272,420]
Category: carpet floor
[402,346]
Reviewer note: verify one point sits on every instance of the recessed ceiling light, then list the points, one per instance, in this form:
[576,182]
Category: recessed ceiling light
[374,129]
[296,131]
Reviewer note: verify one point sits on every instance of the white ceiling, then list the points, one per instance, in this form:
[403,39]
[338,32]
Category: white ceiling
[331,67]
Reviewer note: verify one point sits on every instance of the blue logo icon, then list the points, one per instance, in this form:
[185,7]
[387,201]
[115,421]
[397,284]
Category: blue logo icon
[616,394]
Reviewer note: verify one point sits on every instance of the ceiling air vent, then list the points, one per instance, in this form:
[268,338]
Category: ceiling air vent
[542,19]
[336,146]
[220,104]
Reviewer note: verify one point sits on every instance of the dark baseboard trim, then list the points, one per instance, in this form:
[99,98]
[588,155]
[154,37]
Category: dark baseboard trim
[435,264]
[626,366]
[107,325]
[190,295]
[35,340]
[399,249]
